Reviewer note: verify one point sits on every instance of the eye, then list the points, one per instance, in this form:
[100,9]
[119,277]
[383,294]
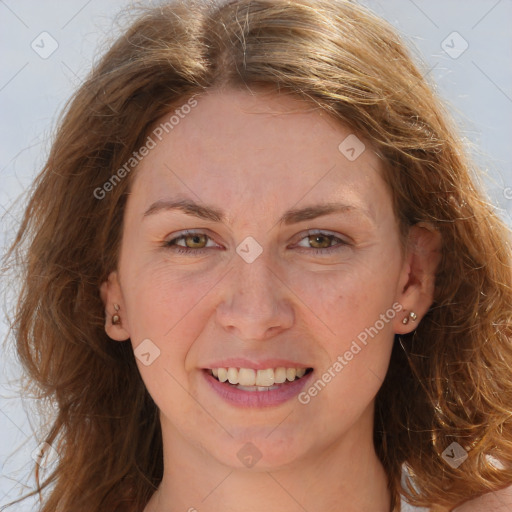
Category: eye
[194,243]
[322,242]
[190,242]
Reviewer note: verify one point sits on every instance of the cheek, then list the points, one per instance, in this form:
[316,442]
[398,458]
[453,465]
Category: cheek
[353,308]
[168,307]
[355,362]
[164,307]
[160,299]
[346,301]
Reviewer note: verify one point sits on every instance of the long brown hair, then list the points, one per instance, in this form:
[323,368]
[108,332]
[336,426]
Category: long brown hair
[449,381]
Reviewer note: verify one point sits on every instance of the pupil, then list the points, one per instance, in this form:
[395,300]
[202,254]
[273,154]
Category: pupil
[196,239]
[317,239]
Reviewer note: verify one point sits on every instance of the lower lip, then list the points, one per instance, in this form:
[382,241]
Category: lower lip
[242,398]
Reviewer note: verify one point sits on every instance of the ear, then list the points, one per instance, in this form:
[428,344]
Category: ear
[112,295]
[417,279]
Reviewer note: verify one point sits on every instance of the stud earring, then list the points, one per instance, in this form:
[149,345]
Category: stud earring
[412,315]
[116,319]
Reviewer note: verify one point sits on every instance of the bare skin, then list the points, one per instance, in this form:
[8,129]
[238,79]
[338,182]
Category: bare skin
[305,298]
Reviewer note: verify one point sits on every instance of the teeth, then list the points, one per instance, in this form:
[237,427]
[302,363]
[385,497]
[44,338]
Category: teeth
[261,380]
[246,377]
[233,375]
[264,377]
[279,375]
[256,388]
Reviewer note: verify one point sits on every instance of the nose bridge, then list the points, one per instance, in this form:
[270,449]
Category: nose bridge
[255,303]
[256,283]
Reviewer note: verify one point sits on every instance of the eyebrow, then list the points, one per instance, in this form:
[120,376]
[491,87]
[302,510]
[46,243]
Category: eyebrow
[292,216]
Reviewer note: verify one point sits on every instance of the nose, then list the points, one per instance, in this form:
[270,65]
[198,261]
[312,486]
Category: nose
[255,303]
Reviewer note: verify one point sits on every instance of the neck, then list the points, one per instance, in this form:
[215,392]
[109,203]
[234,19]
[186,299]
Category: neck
[346,475]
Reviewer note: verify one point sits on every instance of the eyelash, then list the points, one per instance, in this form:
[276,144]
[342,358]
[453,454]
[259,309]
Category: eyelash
[172,244]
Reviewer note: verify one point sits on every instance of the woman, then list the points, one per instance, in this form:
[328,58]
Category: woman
[259,276]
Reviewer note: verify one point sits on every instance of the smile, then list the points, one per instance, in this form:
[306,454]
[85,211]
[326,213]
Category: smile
[248,387]
[250,379]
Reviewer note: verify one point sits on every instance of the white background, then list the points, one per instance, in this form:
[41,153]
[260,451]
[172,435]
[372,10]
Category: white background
[477,87]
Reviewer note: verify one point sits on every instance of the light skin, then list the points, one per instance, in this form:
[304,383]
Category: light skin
[255,157]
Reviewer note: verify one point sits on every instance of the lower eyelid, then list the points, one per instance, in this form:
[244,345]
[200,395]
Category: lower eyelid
[173,242]
[331,237]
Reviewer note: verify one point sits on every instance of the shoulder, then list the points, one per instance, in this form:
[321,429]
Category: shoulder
[500,501]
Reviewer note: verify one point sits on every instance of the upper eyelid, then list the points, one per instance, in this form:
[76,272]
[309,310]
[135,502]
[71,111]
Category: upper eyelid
[190,232]
[311,232]
[316,231]
[298,238]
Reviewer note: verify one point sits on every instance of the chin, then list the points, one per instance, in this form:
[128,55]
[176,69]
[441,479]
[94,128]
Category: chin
[259,451]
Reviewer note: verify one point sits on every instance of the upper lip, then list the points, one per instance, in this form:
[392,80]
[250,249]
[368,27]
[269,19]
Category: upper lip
[262,364]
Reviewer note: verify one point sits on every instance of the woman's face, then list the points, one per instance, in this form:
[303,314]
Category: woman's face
[260,235]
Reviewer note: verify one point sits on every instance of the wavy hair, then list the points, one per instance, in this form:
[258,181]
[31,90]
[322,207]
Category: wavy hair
[449,381]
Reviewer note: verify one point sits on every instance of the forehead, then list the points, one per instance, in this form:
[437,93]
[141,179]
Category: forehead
[259,152]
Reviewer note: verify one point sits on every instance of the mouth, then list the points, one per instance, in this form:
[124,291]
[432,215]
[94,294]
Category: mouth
[261,380]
